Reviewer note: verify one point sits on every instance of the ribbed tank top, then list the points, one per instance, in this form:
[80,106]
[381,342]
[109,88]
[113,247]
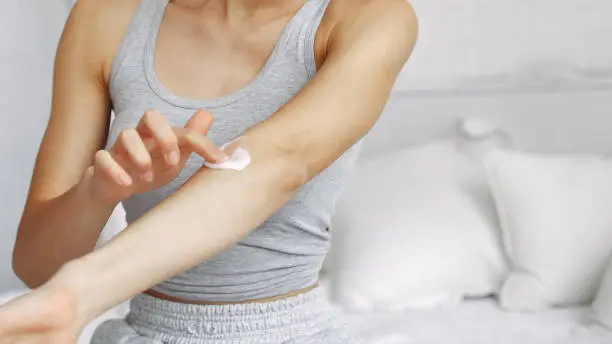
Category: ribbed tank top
[286,252]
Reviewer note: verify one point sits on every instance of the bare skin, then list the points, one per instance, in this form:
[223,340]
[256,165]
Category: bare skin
[361,48]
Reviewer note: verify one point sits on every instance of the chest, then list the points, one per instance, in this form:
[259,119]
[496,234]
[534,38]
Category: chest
[200,57]
[178,64]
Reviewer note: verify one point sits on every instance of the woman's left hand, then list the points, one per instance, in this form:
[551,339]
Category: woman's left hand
[47,315]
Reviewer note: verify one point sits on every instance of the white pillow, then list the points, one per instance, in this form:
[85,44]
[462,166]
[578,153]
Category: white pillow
[556,218]
[602,306]
[415,228]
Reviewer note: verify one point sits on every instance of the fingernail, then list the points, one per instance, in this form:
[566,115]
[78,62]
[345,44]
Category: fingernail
[148,176]
[173,158]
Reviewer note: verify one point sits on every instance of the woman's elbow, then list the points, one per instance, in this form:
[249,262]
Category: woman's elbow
[292,173]
[281,161]
[24,269]
[24,263]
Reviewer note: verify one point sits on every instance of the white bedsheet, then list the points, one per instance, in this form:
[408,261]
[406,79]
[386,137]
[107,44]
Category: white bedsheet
[473,322]
[477,322]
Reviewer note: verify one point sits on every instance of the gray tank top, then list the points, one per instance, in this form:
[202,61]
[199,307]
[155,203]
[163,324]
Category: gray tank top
[286,252]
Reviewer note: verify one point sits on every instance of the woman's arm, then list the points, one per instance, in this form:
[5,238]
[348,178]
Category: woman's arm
[76,185]
[214,209]
[50,232]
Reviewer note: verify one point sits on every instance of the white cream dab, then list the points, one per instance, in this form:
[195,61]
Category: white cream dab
[238,160]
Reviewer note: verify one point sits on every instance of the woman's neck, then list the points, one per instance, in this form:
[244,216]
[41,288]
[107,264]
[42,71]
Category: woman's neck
[231,10]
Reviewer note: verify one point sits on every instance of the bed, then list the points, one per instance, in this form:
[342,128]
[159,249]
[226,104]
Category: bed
[563,120]
[476,322]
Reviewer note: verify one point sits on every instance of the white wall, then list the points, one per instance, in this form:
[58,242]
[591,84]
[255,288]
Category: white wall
[510,43]
[556,121]
[29,30]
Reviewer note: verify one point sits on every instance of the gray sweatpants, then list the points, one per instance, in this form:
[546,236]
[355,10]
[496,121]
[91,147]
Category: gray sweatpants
[302,319]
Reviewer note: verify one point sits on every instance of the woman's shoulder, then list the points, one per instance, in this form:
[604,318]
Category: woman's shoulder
[370,13]
[103,18]
[395,20]
[101,24]
[342,10]
[344,13]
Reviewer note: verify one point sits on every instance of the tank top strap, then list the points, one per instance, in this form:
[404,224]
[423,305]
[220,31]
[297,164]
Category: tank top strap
[310,18]
[145,19]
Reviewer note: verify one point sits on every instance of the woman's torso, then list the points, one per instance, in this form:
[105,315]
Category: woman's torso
[155,63]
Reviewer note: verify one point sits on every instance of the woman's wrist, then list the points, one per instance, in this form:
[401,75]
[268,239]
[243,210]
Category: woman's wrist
[74,281]
[93,192]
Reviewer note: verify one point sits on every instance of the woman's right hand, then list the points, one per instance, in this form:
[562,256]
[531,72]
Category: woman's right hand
[150,156]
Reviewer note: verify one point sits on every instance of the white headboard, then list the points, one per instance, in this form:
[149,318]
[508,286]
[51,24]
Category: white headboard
[555,121]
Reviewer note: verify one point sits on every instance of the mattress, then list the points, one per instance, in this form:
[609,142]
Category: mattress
[471,322]
[477,322]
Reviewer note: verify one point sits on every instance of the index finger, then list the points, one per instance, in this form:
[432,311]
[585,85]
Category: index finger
[200,144]
[156,125]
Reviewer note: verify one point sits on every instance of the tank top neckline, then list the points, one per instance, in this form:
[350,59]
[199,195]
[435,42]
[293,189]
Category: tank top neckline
[168,96]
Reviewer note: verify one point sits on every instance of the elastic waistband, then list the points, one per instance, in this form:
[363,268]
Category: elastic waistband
[281,319]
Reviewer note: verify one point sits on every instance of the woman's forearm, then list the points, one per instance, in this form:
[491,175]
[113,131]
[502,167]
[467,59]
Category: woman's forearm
[213,210]
[57,231]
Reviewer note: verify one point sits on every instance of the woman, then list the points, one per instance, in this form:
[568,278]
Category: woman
[209,255]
